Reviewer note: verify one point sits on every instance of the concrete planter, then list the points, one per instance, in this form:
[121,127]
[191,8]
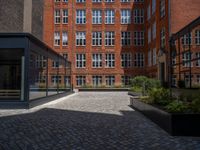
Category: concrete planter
[134,93]
[176,124]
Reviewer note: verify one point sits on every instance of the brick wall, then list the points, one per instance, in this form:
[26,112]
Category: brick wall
[182,13]
[72,27]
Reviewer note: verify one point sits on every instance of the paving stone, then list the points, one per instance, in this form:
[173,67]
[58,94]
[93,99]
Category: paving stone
[87,121]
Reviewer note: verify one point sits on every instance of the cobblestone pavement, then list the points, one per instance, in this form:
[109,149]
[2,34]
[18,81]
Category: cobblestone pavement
[86,121]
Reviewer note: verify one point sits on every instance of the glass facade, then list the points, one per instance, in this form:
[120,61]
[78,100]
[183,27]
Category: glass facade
[30,70]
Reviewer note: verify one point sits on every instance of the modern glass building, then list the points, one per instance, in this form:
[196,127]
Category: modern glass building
[25,77]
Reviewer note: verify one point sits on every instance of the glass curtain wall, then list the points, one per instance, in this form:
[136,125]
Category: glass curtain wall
[38,76]
[49,75]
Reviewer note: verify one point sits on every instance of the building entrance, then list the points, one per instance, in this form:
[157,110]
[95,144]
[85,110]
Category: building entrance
[10,74]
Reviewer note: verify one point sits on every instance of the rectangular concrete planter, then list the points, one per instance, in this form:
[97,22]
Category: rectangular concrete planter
[134,93]
[176,124]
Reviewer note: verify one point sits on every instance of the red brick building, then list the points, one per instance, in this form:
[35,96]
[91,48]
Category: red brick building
[169,17]
[110,41]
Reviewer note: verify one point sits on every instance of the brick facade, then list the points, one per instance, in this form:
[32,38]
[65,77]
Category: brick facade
[168,21]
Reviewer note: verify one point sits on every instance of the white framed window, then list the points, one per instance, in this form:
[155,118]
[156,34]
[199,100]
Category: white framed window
[109,38]
[186,57]
[126,60]
[55,64]
[109,1]
[67,81]
[110,80]
[40,78]
[197,37]
[55,79]
[109,16]
[65,55]
[96,1]
[80,39]
[66,1]
[138,1]
[125,1]
[126,80]
[139,60]
[80,60]
[96,16]
[80,80]
[198,78]
[125,38]
[198,59]
[80,1]
[149,35]
[138,16]
[96,38]
[110,60]
[149,58]
[149,12]
[187,39]
[41,61]
[154,56]
[97,80]
[174,81]
[65,16]
[96,60]
[56,38]
[162,38]
[80,16]
[57,18]
[154,30]
[162,8]
[125,16]
[174,62]
[139,38]
[153,6]
[64,38]
[187,80]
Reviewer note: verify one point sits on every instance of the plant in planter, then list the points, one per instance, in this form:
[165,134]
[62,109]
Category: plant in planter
[118,86]
[144,84]
[176,107]
[42,85]
[195,105]
[176,116]
[87,86]
[160,96]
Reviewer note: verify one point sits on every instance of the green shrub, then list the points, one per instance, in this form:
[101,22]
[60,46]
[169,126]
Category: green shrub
[160,96]
[136,89]
[195,105]
[146,99]
[189,95]
[144,84]
[196,86]
[87,86]
[138,81]
[177,107]
[152,83]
